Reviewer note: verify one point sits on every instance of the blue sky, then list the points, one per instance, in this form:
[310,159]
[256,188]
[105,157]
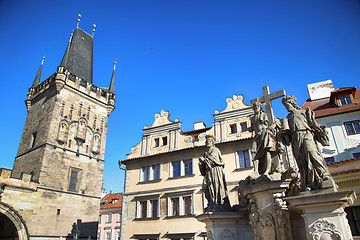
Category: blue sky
[184,56]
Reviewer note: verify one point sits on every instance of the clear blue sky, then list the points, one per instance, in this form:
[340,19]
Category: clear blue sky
[183,56]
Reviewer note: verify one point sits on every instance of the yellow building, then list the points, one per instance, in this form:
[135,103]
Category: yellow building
[163,189]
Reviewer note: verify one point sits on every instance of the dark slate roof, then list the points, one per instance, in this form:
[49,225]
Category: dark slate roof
[78,57]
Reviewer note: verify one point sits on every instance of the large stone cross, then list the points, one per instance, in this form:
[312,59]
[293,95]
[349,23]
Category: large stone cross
[267,99]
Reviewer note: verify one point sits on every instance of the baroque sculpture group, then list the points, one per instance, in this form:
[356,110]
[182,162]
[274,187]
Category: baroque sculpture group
[299,129]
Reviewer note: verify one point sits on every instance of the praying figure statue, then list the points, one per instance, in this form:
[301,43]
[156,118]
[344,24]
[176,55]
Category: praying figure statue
[303,132]
[265,147]
[214,186]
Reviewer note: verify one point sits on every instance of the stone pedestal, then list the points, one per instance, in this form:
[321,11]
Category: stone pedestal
[323,214]
[227,225]
[268,212]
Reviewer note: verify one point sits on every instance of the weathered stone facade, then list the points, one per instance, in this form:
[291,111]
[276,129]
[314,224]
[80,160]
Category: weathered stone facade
[56,180]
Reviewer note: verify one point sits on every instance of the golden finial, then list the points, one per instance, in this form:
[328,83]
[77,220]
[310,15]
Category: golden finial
[78,21]
[94,25]
[115,63]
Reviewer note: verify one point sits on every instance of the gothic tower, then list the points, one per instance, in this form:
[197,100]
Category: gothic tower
[62,146]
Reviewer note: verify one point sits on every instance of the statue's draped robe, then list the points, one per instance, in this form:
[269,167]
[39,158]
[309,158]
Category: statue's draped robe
[264,139]
[309,159]
[214,184]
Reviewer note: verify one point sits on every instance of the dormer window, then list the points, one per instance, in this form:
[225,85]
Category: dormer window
[345,100]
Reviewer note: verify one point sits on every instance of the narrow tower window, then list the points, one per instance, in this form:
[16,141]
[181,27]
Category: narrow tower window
[33,139]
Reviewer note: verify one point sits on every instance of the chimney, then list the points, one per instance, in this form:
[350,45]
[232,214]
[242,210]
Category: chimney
[199,125]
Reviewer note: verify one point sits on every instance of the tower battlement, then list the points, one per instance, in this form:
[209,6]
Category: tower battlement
[63,78]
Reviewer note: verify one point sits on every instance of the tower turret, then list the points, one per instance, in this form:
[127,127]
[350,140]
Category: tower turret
[38,75]
[112,82]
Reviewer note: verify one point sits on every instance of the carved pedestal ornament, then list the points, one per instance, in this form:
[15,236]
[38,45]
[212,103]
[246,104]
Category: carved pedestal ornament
[324,229]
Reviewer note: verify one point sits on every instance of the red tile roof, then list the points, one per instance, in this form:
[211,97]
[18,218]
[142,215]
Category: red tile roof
[345,166]
[325,107]
[196,131]
[111,201]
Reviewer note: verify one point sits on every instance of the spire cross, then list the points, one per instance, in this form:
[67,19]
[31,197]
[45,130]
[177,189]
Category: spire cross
[267,98]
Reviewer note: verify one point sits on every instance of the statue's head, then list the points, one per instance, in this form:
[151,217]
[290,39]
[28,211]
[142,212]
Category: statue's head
[290,102]
[257,107]
[210,140]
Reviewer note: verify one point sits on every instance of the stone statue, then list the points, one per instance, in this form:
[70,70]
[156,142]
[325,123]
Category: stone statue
[303,132]
[214,185]
[265,145]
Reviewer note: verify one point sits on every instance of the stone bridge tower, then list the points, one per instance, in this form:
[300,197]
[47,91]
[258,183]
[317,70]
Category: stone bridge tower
[61,152]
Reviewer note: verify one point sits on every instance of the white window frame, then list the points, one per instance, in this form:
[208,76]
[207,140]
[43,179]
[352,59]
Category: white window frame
[107,217]
[181,204]
[237,160]
[151,172]
[107,232]
[117,235]
[148,206]
[119,217]
[182,167]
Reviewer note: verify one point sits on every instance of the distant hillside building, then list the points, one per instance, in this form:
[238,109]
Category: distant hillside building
[110,217]
[53,190]
[163,189]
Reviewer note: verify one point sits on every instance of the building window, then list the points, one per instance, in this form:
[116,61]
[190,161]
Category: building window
[154,208]
[118,217]
[182,168]
[33,139]
[117,235]
[74,175]
[149,173]
[175,207]
[180,205]
[353,216]
[356,155]
[187,205]
[243,159]
[176,167]
[233,128]
[329,160]
[108,218]
[148,208]
[344,100]
[156,142]
[188,167]
[146,173]
[156,171]
[143,209]
[352,127]
[164,141]
[243,126]
[99,218]
[107,235]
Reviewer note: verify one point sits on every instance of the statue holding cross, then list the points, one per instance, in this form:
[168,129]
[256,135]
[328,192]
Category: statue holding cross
[266,148]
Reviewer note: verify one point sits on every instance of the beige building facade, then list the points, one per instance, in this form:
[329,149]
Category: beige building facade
[53,190]
[163,187]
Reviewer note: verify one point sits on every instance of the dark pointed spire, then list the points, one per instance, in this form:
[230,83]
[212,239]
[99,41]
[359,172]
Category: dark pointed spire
[66,54]
[112,83]
[78,57]
[38,75]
